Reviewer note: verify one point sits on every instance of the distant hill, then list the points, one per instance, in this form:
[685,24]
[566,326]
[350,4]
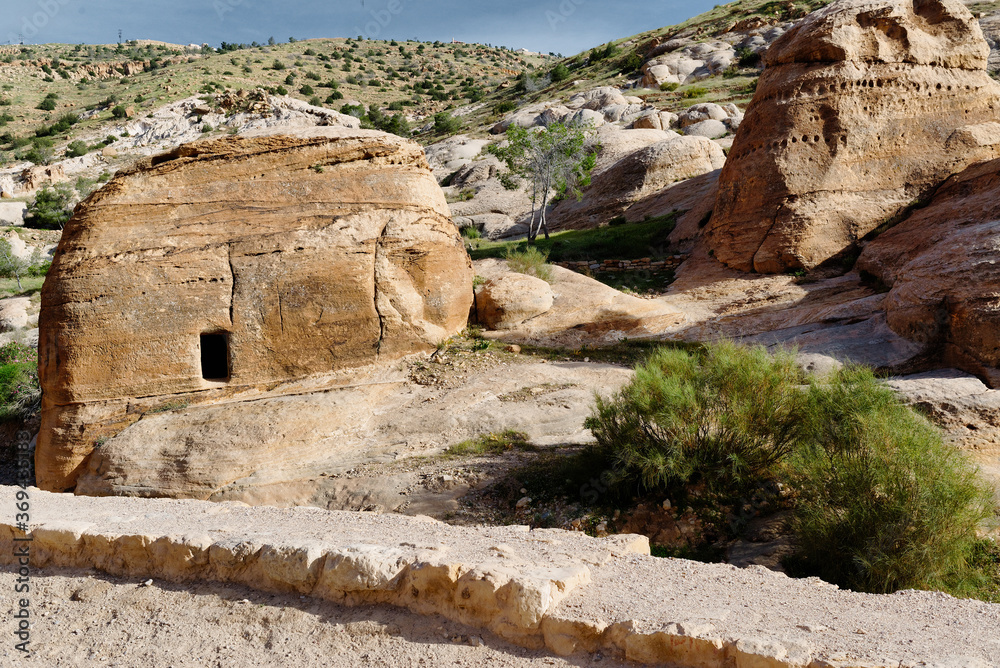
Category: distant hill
[43,84]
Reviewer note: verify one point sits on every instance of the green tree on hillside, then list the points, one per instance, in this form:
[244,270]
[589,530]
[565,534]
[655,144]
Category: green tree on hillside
[550,159]
[51,208]
[14,266]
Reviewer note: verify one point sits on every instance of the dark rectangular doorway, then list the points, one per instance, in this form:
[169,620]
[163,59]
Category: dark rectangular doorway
[215,356]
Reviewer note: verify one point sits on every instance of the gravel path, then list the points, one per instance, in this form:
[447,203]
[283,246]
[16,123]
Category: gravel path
[564,590]
[90,619]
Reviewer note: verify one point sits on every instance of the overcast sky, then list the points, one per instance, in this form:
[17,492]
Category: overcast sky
[560,26]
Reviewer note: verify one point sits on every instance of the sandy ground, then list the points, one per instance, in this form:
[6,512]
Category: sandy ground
[91,619]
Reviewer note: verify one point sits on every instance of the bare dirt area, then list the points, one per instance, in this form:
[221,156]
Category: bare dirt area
[92,619]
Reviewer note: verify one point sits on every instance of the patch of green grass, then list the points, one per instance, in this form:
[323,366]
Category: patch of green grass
[496,443]
[19,389]
[636,282]
[29,285]
[626,352]
[622,242]
[529,261]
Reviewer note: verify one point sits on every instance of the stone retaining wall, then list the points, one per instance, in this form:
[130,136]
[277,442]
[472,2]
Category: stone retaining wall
[642,264]
[560,590]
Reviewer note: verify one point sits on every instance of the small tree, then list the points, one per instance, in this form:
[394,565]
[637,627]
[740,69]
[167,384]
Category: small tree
[550,159]
[445,123]
[51,208]
[14,266]
[559,73]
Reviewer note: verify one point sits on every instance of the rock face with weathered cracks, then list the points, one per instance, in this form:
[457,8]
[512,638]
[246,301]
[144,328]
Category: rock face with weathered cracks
[864,108]
[941,264]
[237,263]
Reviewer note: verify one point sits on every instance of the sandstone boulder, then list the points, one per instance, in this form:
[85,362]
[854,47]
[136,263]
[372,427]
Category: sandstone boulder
[14,313]
[637,176]
[709,128]
[704,111]
[690,63]
[12,213]
[613,143]
[584,312]
[597,98]
[941,264]
[508,300]
[655,120]
[864,107]
[241,262]
[35,177]
[452,154]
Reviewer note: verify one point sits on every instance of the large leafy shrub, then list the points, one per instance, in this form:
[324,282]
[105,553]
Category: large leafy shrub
[883,502]
[19,391]
[725,418]
[880,502]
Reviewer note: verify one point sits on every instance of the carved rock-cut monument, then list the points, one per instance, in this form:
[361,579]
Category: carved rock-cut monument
[232,265]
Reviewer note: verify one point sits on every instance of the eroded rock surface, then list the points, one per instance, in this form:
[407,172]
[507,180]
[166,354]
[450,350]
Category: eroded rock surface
[864,108]
[236,263]
[638,175]
[941,264]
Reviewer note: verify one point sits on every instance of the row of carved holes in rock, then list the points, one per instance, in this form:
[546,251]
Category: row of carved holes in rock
[822,89]
[829,139]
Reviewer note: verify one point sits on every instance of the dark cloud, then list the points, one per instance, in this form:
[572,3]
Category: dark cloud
[564,26]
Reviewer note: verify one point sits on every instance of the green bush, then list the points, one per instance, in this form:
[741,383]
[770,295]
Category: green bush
[883,502]
[669,87]
[445,123]
[76,149]
[505,107]
[530,261]
[496,443]
[746,57]
[559,73]
[632,62]
[48,104]
[50,210]
[880,501]
[697,91]
[725,418]
[19,390]
[119,111]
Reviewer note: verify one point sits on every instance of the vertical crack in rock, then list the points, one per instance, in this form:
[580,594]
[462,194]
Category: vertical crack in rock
[381,318]
[281,311]
[232,285]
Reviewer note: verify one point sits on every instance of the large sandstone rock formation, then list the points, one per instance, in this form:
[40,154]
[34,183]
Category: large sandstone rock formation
[942,266]
[240,263]
[864,107]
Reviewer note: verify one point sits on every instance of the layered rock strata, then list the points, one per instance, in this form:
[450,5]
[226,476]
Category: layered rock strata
[236,263]
[864,108]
